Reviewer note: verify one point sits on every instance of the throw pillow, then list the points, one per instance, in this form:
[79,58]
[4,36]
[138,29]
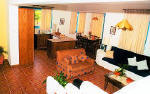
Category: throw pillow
[74,59]
[109,54]
[142,65]
[67,60]
[132,61]
[82,57]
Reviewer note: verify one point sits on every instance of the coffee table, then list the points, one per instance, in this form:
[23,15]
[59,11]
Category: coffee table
[117,81]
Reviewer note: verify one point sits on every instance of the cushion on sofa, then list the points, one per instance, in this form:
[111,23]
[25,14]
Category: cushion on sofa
[67,59]
[132,61]
[74,59]
[142,65]
[109,54]
[77,82]
[121,55]
[133,69]
[82,57]
[112,61]
[80,66]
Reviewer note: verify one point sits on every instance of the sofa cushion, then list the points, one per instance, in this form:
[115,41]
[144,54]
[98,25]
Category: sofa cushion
[132,61]
[112,61]
[77,83]
[67,59]
[143,73]
[109,54]
[142,57]
[121,55]
[82,57]
[74,59]
[80,66]
[142,65]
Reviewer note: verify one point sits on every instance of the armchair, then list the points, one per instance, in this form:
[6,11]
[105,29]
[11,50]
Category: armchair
[73,69]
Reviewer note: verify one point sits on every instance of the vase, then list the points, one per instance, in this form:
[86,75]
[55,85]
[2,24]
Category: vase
[1,59]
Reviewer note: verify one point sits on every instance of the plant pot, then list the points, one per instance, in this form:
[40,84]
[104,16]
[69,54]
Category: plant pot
[1,59]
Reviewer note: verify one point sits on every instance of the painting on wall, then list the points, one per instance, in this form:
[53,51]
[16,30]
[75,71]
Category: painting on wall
[62,21]
[112,30]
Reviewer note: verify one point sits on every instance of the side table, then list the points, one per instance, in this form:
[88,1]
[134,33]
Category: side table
[115,80]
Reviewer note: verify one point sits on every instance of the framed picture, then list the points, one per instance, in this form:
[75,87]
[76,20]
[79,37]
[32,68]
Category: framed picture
[112,30]
[62,21]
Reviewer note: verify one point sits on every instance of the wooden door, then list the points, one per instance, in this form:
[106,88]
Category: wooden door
[26,36]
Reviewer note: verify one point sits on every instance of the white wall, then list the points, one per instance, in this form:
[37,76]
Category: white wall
[64,29]
[111,19]
[13,35]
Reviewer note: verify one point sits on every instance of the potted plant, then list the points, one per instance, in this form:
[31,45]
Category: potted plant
[62,80]
[121,71]
[2,51]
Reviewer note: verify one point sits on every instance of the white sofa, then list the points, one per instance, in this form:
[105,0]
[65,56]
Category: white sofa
[100,54]
[53,87]
[136,87]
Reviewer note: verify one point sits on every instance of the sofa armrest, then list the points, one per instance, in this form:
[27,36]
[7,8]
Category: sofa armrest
[99,55]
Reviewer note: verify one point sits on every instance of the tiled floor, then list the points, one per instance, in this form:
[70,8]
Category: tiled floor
[28,79]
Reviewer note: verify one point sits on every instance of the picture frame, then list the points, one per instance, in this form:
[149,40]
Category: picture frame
[112,30]
[62,21]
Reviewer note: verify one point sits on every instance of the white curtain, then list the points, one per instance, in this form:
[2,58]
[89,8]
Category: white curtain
[147,43]
[45,20]
[134,40]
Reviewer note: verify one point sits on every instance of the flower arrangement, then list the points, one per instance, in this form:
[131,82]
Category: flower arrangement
[121,71]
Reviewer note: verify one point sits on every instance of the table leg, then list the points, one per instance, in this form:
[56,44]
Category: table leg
[106,83]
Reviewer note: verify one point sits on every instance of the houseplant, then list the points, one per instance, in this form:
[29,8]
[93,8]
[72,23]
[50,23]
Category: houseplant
[2,51]
[121,71]
[62,80]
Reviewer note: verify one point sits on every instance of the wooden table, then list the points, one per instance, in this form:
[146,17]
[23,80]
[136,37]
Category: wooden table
[59,44]
[115,80]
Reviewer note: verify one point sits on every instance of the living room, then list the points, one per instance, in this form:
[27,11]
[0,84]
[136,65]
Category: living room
[122,31]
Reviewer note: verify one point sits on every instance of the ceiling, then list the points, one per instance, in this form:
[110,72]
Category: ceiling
[99,7]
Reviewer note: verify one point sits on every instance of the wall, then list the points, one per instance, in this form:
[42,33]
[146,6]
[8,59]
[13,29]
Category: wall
[64,29]
[4,25]
[13,35]
[111,19]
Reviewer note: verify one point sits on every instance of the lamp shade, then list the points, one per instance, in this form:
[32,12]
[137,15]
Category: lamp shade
[95,18]
[124,24]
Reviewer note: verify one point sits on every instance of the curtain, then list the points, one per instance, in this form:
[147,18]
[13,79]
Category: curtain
[134,40]
[147,42]
[73,22]
[45,19]
[81,22]
[97,24]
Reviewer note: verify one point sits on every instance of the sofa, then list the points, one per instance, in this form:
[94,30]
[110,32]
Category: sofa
[121,56]
[53,87]
[69,63]
[86,87]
